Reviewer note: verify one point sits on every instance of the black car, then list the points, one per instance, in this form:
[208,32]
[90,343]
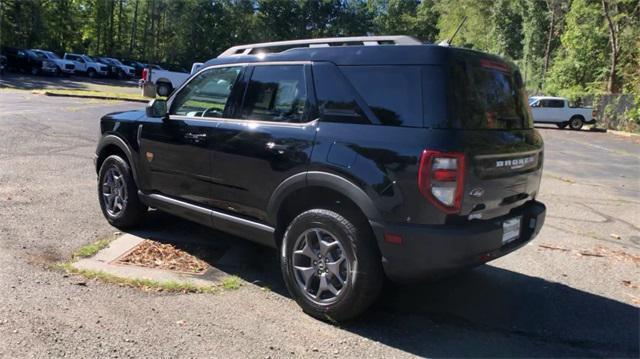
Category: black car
[3,63]
[137,65]
[356,162]
[27,61]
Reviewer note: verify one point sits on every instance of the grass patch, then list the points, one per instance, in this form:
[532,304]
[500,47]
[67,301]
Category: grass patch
[231,283]
[91,249]
[228,283]
[107,95]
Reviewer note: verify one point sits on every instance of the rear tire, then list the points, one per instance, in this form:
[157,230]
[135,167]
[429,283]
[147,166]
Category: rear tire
[118,194]
[338,279]
[164,89]
[34,71]
[576,123]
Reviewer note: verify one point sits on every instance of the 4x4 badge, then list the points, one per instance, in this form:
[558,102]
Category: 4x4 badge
[476,192]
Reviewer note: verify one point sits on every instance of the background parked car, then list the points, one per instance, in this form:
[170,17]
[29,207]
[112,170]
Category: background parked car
[137,65]
[116,68]
[3,63]
[557,110]
[162,82]
[27,61]
[64,66]
[86,65]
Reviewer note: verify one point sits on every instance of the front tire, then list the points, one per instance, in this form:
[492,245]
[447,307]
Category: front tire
[92,73]
[331,265]
[576,122]
[118,194]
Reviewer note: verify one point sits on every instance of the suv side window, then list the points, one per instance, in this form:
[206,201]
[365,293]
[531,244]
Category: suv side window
[336,101]
[394,93]
[276,93]
[206,94]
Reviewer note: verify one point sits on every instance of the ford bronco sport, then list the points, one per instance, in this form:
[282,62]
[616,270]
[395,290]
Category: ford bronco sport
[379,157]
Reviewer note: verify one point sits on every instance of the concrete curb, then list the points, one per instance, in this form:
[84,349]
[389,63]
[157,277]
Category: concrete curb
[104,261]
[98,97]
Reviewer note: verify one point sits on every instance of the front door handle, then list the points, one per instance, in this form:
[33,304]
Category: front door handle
[276,147]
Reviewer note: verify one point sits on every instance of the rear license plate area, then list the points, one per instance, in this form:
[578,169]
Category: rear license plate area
[511,230]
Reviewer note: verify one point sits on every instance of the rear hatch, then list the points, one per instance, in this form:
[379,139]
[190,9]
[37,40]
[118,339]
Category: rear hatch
[487,107]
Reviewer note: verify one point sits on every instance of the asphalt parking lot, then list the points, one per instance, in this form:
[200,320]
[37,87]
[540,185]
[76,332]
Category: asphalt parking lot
[572,292]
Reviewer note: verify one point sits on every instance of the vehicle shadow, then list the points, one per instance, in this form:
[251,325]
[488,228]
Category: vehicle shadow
[20,81]
[486,312]
[593,129]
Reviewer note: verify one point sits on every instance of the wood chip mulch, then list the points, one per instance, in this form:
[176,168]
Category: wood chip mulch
[152,254]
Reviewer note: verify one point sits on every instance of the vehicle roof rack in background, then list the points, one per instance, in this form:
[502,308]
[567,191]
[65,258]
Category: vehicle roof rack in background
[325,42]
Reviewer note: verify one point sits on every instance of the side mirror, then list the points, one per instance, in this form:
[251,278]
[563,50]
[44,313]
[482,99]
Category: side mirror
[157,108]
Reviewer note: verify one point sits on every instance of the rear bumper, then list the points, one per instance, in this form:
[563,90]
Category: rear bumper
[428,251]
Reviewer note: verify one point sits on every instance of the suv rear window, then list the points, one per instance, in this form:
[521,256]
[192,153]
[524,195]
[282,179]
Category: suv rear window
[486,95]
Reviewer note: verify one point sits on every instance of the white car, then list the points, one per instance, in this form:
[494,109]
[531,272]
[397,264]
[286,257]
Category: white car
[87,65]
[558,111]
[161,82]
[63,66]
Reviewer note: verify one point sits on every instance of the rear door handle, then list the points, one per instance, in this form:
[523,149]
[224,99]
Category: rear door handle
[195,136]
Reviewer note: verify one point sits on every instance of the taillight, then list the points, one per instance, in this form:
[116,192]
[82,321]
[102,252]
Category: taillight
[145,74]
[594,113]
[441,179]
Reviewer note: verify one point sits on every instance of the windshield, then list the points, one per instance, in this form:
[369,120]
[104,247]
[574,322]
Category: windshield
[114,61]
[488,95]
[87,58]
[51,55]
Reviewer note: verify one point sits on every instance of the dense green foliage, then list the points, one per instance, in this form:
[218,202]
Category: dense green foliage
[563,47]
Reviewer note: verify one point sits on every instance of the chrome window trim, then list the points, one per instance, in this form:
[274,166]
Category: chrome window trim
[249,123]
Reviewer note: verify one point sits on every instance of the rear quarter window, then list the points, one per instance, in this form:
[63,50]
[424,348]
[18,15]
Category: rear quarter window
[393,93]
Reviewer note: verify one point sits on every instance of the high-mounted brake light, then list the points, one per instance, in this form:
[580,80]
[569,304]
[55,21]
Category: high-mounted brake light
[441,179]
[493,65]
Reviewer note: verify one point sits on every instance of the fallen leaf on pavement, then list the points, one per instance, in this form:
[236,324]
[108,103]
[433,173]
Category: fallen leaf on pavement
[554,248]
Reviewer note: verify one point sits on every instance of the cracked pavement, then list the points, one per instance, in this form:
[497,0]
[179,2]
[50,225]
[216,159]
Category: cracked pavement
[572,292]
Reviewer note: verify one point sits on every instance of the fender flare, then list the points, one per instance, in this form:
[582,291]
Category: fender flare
[114,140]
[321,179]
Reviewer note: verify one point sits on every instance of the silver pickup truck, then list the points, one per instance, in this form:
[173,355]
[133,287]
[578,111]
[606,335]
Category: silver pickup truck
[557,110]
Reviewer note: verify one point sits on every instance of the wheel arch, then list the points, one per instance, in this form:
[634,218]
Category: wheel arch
[317,189]
[110,145]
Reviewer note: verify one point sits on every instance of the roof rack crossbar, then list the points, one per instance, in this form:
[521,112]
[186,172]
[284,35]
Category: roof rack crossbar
[324,42]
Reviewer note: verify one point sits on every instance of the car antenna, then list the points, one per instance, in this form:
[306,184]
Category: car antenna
[448,42]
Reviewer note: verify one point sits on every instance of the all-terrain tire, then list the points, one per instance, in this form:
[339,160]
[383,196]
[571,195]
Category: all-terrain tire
[132,209]
[365,278]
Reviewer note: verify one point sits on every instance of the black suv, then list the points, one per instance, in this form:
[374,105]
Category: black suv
[357,162]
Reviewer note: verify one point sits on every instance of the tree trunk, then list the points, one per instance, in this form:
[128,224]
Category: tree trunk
[134,24]
[550,31]
[612,83]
